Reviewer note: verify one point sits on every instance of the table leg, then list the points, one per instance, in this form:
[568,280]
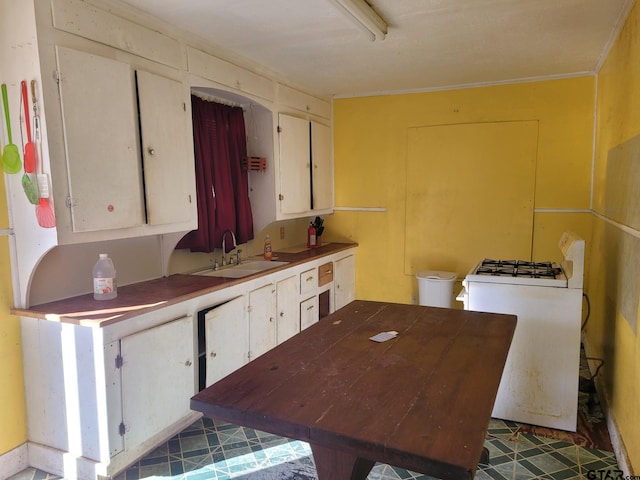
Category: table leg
[484,456]
[333,464]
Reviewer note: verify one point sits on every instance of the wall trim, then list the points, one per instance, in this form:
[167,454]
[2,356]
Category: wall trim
[360,209]
[464,86]
[14,461]
[562,210]
[621,226]
[616,438]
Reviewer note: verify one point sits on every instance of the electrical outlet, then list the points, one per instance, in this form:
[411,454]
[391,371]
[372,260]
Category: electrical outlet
[281,233]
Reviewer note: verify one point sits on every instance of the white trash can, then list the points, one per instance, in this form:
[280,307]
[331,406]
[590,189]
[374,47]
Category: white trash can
[435,288]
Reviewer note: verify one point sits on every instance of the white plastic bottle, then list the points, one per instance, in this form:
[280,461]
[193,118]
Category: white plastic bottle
[104,279]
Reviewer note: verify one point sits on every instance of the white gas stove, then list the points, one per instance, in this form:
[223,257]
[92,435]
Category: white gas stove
[540,381]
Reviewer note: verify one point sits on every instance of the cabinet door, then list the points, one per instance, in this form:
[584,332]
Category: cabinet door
[158,378]
[262,320]
[322,172]
[288,318]
[167,150]
[344,281]
[295,156]
[309,312]
[100,128]
[227,339]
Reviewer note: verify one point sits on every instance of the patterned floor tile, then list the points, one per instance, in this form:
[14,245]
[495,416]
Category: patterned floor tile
[214,450]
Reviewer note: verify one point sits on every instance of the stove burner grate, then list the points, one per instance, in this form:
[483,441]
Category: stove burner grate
[518,268]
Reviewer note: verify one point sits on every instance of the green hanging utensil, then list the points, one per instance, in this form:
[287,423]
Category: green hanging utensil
[10,156]
[30,189]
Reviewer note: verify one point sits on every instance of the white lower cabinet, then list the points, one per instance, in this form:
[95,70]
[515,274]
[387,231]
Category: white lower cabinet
[100,398]
[104,396]
[344,279]
[288,317]
[262,320]
[309,312]
[157,379]
[226,330]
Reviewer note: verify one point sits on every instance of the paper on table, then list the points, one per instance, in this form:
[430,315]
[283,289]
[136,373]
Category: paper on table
[384,336]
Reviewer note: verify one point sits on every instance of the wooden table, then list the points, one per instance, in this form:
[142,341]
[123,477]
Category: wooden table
[421,401]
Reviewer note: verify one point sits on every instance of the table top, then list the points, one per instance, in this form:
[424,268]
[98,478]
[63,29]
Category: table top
[420,401]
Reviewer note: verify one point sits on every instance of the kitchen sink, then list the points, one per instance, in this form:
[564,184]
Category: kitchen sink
[245,269]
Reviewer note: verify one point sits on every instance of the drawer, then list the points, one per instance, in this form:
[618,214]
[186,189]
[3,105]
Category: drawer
[325,274]
[308,281]
[309,312]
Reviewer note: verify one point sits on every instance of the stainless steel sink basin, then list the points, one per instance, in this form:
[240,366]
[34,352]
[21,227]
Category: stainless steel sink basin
[245,269]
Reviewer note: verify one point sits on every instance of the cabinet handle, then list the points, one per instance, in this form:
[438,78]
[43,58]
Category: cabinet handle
[271,319]
[310,307]
[187,363]
[151,151]
[213,354]
[282,314]
[309,279]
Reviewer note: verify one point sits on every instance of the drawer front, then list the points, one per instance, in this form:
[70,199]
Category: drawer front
[325,274]
[309,312]
[308,281]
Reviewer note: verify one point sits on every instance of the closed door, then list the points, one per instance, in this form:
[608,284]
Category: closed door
[345,281]
[295,164]
[226,335]
[322,171]
[288,317]
[158,379]
[100,119]
[167,150]
[470,194]
[262,320]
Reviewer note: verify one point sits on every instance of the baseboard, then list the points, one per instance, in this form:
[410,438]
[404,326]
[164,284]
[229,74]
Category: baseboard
[63,464]
[14,461]
[616,439]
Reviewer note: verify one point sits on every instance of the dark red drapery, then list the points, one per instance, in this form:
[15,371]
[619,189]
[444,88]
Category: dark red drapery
[222,186]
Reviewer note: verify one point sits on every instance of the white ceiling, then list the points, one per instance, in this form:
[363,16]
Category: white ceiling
[430,43]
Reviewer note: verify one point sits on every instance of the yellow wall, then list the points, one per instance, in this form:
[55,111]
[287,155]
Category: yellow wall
[13,417]
[370,148]
[609,333]
[370,142]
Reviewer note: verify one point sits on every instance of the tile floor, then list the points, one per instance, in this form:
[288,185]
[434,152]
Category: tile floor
[214,450]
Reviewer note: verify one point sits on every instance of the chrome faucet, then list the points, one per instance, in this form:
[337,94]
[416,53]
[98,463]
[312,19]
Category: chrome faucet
[224,250]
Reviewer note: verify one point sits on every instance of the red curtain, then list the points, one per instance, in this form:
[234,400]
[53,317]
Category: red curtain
[222,186]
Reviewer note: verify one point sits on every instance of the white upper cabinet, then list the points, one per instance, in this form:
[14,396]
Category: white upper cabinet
[128,147]
[98,105]
[306,173]
[322,171]
[295,165]
[166,150]
[298,180]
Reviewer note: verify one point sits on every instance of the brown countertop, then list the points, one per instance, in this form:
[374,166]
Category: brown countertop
[143,297]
